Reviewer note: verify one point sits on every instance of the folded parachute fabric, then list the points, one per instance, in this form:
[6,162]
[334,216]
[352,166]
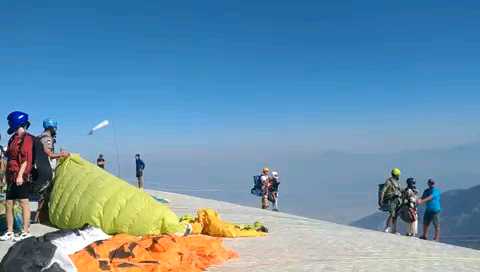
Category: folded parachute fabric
[51,251]
[86,194]
[208,222]
[152,253]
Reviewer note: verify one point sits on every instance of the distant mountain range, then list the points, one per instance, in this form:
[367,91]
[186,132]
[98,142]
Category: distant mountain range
[460,218]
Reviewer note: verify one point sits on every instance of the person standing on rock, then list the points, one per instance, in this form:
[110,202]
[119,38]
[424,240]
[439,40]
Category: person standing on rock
[431,197]
[265,181]
[140,166]
[390,200]
[273,194]
[19,168]
[410,207]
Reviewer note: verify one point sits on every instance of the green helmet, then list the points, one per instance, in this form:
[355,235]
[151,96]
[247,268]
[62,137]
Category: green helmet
[396,172]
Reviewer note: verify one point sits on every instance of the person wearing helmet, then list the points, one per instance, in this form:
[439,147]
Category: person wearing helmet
[265,181]
[390,200]
[410,206]
[101,161]
[19,167]
[45,157]
[274,184]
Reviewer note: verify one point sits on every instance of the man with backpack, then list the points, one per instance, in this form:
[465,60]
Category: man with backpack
[19,168]
[44,150]
[390,200]
[265,182]
[273,194]
[408,211]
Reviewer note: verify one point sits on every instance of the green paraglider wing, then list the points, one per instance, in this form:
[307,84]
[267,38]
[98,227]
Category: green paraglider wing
[85,194]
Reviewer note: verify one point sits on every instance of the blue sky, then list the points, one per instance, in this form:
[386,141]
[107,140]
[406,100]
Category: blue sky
[204,80]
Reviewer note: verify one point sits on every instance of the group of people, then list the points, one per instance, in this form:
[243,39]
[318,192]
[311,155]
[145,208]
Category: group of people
[266,185]
[27,171]
[403,203]
[139,167]
[30,161]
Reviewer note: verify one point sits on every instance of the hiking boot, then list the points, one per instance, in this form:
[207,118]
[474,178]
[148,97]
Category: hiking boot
[7,236]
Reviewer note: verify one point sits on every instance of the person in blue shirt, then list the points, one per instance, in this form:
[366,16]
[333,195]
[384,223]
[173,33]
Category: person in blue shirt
[140,166]
[431,197]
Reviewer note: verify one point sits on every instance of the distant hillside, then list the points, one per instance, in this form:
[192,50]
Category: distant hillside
[460,219]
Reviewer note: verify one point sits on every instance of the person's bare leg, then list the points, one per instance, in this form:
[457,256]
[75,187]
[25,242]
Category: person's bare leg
[425,231]
[388,223]
[394,224]
[25,204]
[9,214]
[37,213]
[437,233]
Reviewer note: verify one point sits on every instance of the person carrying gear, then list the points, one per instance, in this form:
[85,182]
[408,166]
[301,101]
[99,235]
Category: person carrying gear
[408,212]
[265,181]
[273,190]
[19,167]
[390,200]
[43,171]
[101,161]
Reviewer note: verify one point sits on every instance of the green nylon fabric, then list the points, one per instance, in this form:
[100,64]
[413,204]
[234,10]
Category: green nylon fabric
[86,194]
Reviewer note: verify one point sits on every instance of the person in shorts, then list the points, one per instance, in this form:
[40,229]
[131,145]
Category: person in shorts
[431,197]
[19,167]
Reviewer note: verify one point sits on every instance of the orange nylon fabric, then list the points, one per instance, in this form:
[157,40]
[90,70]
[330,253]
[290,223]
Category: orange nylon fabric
[128,253]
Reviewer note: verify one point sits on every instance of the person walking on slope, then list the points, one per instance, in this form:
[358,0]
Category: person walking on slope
[19,167]
[390,200]
[431,197]
[101,161]
[410,207]
[44,149]
[265,181]
[274,184]
[140,166]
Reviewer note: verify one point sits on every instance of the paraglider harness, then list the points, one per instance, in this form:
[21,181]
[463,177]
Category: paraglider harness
[257,186]
[42,173]
[408,209]
[393,198]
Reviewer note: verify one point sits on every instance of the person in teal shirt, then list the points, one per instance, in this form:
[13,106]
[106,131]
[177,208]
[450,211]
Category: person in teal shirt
[431,197]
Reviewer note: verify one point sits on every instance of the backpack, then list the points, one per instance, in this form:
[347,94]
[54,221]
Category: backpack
[408,214]
[42,172]
[257,186]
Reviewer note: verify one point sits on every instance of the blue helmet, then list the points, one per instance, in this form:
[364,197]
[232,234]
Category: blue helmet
[50,123]
[17,119]
[411,182]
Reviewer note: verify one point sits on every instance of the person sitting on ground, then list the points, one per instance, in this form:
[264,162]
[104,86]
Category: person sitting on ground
[431,197]
[140,166]
[43,170]
[390,200]
[265,180]
[274,184]
[19,167]
[410,201]
[101,161]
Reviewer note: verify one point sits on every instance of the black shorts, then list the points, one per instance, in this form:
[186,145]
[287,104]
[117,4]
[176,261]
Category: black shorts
[15,192]
[431,217]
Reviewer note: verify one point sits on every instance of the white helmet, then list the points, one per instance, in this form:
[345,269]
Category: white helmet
[275,174]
